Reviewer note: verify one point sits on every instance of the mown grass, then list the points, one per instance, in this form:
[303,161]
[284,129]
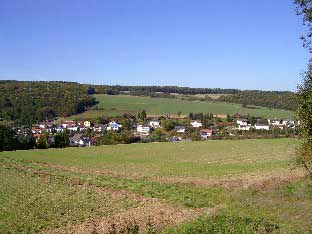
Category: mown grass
[222,224]
[189,196]
[285,210]
[115,105]
[28,204]
[204,160]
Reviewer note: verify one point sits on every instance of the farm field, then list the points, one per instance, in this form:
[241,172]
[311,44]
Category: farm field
[118,104]
[247,186]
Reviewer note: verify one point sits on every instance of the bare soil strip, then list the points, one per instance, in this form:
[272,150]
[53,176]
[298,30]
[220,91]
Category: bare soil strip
[152,216]
[259,181]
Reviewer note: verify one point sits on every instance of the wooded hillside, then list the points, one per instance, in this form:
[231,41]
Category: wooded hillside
[28,102]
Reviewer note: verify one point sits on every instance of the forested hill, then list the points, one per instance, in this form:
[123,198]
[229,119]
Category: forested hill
[28,102]
[274,100]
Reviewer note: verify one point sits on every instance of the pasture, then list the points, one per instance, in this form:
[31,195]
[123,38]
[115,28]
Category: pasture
[247,186]
[118,104]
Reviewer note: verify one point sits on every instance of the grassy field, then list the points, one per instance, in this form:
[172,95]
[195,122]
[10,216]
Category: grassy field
[194,187]
[117,105]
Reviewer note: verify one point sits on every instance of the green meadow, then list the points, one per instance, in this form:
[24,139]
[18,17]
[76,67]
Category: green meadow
[248,186]
[115,105]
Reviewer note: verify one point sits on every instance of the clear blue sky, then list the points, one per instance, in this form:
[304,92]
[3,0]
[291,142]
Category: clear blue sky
[199,43]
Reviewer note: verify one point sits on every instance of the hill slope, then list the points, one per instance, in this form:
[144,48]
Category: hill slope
[112,105]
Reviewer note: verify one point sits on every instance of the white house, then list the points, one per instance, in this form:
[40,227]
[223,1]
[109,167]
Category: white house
[113,126]
[180,129]
[262,127]
[244,127]
[196,124]
[154,124]
[73,128]
[275,122]
[288,123]
[242,122]
[143,129]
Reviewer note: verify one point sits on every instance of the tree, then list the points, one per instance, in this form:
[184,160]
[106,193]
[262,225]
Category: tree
[8,140]
[158,135]
[229,118]
[61,140]
[142,116]
[304,97]
[42,142]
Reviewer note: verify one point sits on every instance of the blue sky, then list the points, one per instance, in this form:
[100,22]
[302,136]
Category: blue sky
[198,43]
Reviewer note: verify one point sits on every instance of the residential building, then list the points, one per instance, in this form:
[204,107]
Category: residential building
[242,122]
[244,127]
[275,122]
[154,124]
[69,124]
[259,126]
[206,133]
[113,126]
[143,129]
[196,124]
[180,129]
[98,128]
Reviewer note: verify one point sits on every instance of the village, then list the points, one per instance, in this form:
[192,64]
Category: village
[172,128]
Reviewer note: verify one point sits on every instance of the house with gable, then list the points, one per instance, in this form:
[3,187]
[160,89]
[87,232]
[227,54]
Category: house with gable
[206,133]
[113,126]
[154,124]
[196,124]
[143,130]
[180,129]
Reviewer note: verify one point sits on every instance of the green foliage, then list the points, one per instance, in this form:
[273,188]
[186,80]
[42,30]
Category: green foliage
[304,157]
[169,124]
[276,100]
[42,142]
[61,140]
[8,140]
[25,141]
[142,115]
[28,102]
[158,135]
[113,138]
[304,7]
